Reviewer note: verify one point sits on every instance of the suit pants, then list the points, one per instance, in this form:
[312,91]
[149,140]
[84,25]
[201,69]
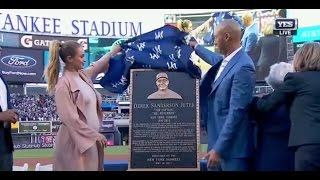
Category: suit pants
[6,161]
[307,158]
[6,158]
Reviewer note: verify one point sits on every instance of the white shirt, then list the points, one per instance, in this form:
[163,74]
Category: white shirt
[3,96]
[225,62]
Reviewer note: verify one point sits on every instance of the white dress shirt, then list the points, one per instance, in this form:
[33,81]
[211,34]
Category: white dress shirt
[3,96]
[225,62]
[3,100]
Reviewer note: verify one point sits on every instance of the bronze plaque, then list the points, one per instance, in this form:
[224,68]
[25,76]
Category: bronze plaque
[164,131]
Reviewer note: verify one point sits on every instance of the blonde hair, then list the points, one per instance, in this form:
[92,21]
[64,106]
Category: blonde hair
[267,29]
[56,50]
[247,17]
[52,70]
[182,24]
[307,58]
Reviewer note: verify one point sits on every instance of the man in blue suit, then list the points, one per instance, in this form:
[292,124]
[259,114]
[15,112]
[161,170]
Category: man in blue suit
[225,94]
[250,35]
[7,116]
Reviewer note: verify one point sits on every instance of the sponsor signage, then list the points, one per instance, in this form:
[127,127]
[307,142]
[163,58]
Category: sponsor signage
[21,141]
[21,65]
[43,140]
[305,34]
[43,42]
[55,125]
[285,26]
[9,39]
[35,127]
[107,126]
[33,141]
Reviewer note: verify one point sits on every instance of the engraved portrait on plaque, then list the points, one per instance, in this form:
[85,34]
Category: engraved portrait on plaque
[162,82]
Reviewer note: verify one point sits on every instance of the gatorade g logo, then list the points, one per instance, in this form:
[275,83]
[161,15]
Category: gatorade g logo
[84,43]
[26,41]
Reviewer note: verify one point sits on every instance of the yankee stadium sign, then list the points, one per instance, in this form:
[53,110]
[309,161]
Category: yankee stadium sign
[45,24]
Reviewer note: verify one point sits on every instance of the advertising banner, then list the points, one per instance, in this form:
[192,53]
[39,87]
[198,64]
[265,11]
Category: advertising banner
[107,126]
[43,42]
[21,141]
[305,34]
[33,141]
[9,39]
[21,65]
[55,126]
[43,140]
[35,127]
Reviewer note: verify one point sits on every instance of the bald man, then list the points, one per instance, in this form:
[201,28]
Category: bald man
[162,82]
[225,93]
[250,35]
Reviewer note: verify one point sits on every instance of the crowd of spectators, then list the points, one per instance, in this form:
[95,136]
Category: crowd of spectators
[35,108]
[42,107]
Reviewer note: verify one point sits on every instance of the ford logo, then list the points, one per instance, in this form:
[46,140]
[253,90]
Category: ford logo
[18,61]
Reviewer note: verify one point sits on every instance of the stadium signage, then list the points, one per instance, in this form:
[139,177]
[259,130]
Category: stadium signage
[19,61]
[58,25]
[285,26]
[9,39]
[107,126]
[43,42]
[309,33]
[21,65]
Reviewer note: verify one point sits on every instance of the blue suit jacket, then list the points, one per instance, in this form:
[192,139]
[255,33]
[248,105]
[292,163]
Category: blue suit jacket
[224,104]
[250,39]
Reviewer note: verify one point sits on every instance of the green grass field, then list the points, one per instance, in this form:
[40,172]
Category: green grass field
[39,153]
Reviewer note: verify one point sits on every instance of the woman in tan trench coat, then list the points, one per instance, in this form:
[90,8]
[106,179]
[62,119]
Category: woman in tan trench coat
[79,145]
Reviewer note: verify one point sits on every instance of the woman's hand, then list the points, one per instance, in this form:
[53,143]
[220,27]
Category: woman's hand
[102,140]
[116,49]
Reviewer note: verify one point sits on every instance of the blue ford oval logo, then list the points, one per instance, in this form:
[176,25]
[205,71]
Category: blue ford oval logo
[18,61]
